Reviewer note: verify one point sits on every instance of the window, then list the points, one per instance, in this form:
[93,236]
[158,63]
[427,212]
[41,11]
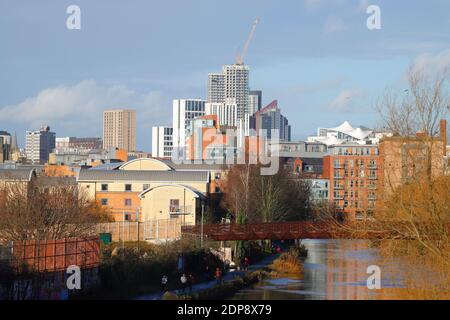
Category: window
[174,205]
[104,187]
[104,202]
[127,217]
[128,187]
[127,202]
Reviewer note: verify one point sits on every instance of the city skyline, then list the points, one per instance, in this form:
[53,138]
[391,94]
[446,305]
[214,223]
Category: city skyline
[322,64]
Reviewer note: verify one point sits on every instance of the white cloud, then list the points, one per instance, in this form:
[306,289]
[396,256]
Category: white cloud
[432,63]
[77,109]
[344,98]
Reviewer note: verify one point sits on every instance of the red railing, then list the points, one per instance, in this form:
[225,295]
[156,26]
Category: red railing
[295,230]
[55,255]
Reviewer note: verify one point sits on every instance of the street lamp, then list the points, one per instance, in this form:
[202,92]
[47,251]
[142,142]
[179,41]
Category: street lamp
[201,236]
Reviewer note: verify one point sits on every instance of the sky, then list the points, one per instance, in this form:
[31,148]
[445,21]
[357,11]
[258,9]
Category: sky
[316,57]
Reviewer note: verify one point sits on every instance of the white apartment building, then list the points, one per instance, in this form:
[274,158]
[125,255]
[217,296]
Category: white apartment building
[184,110]
[226,112]
[232,83]
[119,129]
[39,144]
[162,142]
[216,88]
[237,86]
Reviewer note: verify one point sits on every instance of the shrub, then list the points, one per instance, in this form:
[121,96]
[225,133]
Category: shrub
[289,262]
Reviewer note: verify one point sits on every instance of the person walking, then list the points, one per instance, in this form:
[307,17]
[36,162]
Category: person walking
[246,262]
[218,276]
[183,281]
[164,281]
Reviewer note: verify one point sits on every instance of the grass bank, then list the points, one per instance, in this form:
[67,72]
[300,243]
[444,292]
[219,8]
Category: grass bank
[290,262]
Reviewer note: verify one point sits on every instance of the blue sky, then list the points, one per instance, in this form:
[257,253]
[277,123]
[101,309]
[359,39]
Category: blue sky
[316,57]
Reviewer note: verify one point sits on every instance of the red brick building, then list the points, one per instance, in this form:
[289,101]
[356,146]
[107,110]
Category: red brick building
[354,172]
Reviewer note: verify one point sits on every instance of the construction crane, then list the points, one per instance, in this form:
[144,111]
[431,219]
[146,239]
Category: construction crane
[240,57]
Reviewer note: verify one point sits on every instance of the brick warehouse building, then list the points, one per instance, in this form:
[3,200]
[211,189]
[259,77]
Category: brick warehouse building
[355,173]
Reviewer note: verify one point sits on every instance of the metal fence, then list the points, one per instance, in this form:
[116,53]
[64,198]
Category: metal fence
[53,255]
[152,230]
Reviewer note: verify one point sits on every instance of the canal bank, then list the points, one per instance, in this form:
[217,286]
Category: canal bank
[200,290]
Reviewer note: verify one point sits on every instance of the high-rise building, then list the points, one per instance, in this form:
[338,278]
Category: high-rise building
[5,146]
[162,142]
[216,88]
[254,101]
[119,129]
[184,110]
[270,118]
[232,83]
[39,144]
[237,86]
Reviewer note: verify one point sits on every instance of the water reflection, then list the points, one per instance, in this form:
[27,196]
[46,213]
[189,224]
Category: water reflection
[334,269]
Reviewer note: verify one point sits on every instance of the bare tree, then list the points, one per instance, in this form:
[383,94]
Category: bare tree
[38,211]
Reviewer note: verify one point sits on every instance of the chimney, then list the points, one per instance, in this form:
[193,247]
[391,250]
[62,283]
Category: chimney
[443,131]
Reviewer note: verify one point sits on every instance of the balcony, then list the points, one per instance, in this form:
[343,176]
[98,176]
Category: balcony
[372,177]
[372,167]
[339,187]
[180,210]
[372,187]
[338,177]
[372,197]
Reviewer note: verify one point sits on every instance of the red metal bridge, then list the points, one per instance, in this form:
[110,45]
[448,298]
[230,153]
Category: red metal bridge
[286,231]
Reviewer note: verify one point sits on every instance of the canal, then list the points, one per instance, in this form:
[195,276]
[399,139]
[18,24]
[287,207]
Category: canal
[334,269]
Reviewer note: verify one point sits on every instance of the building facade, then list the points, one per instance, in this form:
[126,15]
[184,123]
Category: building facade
[270,118]
[162,142]
[355,174]
[226,112]
[81,145]
[5,146]
[407,159]
[216,88]
[148,189]
[184,110]
[254,101]
[119,129]
[344,133]
[39,145]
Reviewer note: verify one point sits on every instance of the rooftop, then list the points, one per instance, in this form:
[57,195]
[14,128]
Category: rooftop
[142,175]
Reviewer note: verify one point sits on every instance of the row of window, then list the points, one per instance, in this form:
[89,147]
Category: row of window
[127,187]
[127,202]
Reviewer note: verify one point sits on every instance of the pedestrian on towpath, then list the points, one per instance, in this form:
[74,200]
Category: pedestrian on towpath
[164,281]
[218,276]
[183,281]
